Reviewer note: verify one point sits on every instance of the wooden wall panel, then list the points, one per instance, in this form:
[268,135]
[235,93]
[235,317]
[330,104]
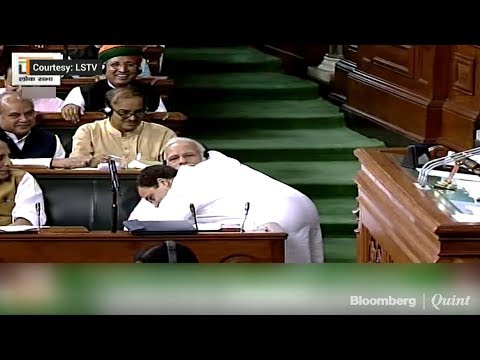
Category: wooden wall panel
[410,67]
[458,131]
[465,77]
[345,66]
[461,111]
[396,58]
[425,92]
[350,53]
[376,101]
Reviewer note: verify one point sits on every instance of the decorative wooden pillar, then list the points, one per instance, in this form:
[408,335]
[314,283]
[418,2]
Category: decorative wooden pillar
[326,70]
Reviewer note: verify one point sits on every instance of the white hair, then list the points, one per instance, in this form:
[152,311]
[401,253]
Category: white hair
[201,149]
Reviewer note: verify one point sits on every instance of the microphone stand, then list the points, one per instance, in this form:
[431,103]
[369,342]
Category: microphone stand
[247,208]
[194,215]
[429,166]
[112,168]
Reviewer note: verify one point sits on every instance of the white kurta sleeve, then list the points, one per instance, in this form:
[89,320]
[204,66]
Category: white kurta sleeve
[144,211]
[59,151]
[174,207]
[75,97]
[28,194]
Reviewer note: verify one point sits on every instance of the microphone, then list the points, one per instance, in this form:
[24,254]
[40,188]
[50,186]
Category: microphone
[247,208]
[38,212]
[194,214]
[112,169]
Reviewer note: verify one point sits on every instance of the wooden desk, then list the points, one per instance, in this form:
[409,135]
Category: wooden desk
[54,121]
[77,245]
[399,222]
[162,86]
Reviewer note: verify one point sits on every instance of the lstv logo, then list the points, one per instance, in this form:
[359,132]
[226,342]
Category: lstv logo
[22,66]
[21,70]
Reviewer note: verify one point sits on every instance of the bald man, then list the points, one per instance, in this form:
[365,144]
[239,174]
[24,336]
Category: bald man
[28,144]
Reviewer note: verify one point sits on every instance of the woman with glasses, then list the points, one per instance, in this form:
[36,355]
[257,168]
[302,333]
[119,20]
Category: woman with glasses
[124,135]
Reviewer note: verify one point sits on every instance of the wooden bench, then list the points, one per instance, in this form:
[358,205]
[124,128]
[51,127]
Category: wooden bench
[172,120]
[163,86]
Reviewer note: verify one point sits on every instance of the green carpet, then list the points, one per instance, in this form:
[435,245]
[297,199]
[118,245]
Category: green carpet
[210,115]
[239,102]
[217,59]
[245,86]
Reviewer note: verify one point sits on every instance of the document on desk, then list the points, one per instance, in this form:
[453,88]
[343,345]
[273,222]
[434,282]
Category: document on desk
[18,228]
[469,218]
[468,208]
[209,227]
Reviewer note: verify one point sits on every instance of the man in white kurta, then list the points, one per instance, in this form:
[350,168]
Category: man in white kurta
[19,194]
[220,187]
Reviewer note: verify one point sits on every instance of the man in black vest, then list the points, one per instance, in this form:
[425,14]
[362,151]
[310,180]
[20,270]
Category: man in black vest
[121,66]
[28,144]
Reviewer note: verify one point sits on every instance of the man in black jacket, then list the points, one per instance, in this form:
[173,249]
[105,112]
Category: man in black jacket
[27,143]
[121,67]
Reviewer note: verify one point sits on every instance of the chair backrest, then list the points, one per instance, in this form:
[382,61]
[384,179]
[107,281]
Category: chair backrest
[75,198]
[65,130]
[152,54]
[162,86]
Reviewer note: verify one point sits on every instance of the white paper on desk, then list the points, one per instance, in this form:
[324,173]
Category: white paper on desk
[468,208]
[18,228]
[135,164]
[472,187]
[209,227]
[466,218]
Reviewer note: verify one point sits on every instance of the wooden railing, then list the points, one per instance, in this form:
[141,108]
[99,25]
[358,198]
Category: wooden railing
[173,120]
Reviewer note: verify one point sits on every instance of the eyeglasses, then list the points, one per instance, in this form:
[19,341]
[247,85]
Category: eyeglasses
[117,65]
[140,114]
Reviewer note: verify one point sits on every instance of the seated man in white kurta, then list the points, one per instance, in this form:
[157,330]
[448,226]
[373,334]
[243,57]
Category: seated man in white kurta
[19,192]
[219,188]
